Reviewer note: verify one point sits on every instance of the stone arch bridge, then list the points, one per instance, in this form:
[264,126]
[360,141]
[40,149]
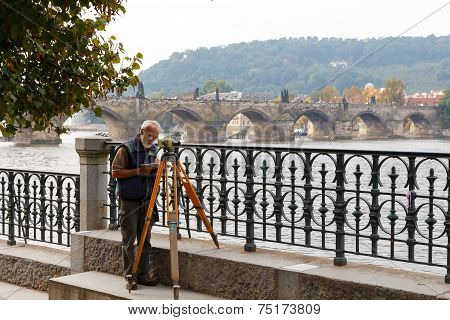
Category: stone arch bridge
[207,120]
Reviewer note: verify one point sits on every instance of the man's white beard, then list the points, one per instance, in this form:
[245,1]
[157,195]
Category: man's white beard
[146,145]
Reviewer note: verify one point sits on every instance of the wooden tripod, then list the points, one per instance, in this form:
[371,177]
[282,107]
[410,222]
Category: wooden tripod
[178,172]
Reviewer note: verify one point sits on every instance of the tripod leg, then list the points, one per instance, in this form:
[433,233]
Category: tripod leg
[173,232]
[196,202]
[186,215]
[148,217]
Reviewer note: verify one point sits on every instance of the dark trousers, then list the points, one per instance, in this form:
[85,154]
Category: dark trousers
[132,221]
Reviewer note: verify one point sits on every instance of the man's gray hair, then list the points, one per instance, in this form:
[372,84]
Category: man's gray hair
[151,123]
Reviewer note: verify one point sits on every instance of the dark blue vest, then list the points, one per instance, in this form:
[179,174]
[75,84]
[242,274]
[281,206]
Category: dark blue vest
[137,188]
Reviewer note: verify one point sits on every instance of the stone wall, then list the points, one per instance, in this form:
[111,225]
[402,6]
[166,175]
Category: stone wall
[231,273]
[29,273]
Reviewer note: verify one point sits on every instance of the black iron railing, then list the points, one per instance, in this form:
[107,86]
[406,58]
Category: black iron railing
[390,205]
[40,206]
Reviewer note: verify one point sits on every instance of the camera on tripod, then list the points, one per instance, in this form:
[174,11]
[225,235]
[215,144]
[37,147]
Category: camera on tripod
[168,143]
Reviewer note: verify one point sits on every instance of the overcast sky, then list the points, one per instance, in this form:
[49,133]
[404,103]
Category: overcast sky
[158,28]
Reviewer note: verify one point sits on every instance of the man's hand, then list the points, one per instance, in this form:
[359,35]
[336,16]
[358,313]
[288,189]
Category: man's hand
[146,170]
[141,171]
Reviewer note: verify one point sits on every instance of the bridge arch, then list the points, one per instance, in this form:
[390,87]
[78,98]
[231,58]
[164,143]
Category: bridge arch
[117,126]
[249,122]
[416,125]
[186,120]
[183,113]
[254,115]
[368,124]
[315,123]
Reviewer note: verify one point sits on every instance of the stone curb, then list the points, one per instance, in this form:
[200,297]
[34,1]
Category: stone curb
[29,273]
[231,273]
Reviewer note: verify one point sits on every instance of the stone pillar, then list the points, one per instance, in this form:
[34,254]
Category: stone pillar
[343,130]
[93,154]
[394,128]
[216,131]
[276,131]
[446,133]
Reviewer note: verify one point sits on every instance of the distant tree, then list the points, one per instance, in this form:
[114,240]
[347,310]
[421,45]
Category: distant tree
[54,61]
[444,106]
[303,65]
[308,99]
[354,95]
[156,95]
[186,95]
[328,94]
[211,85]
[140,94]
[369,93]
[394,92]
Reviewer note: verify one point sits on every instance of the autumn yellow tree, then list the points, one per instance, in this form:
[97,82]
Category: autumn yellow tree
[394,92]
[328,94]
[368,92]
[354,95]
[308,99]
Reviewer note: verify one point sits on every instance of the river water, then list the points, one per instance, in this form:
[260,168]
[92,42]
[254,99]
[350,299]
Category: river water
[64,159]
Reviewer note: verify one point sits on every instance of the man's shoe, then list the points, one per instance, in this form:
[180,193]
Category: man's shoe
[146,280]
[131,285]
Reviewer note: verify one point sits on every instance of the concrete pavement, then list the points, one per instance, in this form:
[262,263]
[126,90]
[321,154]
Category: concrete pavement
[12,292]
[103,286]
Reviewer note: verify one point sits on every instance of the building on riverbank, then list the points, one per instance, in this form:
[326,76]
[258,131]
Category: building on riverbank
[424,99]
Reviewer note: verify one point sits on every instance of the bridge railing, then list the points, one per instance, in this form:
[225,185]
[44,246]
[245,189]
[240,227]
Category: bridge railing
[388,205]
[39,206]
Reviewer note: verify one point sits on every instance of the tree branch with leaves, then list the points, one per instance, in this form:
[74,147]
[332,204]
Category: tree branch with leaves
[54,61]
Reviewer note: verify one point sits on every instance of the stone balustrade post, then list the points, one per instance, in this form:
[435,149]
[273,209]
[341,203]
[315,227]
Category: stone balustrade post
[93,153]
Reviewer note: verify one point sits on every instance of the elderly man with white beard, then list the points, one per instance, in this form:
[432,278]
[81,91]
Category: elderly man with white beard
[136,179]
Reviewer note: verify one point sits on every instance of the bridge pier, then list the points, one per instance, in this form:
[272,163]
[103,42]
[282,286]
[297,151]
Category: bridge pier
[276,131]
[343,130]
[206,132]
[28,137]
[321,131]
[395,128]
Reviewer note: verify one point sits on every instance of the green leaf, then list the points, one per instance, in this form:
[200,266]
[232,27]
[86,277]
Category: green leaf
[135,66]
[116,59]
[139,55]
[98,111]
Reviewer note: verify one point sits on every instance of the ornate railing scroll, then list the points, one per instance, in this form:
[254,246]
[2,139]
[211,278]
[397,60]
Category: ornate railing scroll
[39,206]
[389,205]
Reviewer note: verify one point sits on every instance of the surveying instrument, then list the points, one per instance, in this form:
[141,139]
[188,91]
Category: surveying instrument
[169,157]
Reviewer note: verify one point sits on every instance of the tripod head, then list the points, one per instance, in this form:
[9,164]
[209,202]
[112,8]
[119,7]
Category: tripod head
[168,145]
